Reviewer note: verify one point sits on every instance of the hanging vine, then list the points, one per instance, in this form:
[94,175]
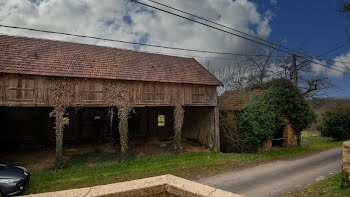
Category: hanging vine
[60,96]
[123,112]
[118,96]
[111,116]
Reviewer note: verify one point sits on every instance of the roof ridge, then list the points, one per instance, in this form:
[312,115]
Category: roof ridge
[94,45]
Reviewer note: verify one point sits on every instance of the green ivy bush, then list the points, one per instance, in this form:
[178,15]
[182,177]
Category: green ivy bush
[336,124]
[256,123]
[262,118]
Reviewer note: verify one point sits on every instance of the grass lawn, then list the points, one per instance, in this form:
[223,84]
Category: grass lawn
[328,187]
[86,170]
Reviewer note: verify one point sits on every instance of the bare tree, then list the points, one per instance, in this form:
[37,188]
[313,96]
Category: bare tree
[261,64]
[267,64]
[235,75]
[310,83]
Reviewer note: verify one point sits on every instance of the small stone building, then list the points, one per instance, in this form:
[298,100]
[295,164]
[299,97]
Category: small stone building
[151,84]
[234,100]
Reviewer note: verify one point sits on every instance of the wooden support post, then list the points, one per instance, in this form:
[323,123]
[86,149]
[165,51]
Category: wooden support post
[178,123]
[216,144]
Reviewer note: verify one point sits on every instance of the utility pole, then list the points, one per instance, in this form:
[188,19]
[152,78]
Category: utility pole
[295,70]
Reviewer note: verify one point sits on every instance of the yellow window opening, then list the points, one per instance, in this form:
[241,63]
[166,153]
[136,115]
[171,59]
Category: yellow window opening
[161,120]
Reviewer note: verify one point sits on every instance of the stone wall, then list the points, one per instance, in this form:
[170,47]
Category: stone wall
[289,135]
[346,156]
[266,147]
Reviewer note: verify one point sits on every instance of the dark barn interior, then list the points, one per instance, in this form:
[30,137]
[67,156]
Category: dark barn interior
[32,127]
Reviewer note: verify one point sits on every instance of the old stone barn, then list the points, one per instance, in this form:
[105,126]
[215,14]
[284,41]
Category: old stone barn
[232,101]
[92,92]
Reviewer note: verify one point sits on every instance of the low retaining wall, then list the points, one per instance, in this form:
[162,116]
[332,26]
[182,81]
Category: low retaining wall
[346,156]
[166,185]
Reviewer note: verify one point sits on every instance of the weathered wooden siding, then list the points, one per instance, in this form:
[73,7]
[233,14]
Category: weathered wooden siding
[23,90]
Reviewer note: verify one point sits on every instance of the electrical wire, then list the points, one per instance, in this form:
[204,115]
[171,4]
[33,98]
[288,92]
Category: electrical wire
[239,31]
[240,36]
[233,29]
[127,42]
[249,39]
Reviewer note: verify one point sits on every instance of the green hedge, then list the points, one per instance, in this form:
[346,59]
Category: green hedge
[336,124]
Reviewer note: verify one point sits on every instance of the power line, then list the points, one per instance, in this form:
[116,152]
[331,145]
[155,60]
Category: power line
[128,42]
[326,60]
[320,59]
[236,30]
[273,47]
[160,9]
[190,56]
[312,61]
[158,46]
[182,49]
[233,29]
[331,50]
[202,18]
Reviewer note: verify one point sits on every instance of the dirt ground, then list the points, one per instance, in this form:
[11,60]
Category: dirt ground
[43,157]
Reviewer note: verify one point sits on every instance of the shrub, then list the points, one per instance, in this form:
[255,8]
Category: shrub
[345,182]
[336,124]
[262,117]
[257,123]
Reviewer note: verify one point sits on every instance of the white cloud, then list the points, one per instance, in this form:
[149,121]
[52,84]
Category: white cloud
[340,66]
[108,19]
[336,70]
[273,1]
[317,68]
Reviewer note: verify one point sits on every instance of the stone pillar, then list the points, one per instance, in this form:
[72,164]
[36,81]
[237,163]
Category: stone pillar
[266,147]
[346,156]
[289,135]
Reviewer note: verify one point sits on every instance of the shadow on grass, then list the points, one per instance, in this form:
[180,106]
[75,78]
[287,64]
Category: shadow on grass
[98,157]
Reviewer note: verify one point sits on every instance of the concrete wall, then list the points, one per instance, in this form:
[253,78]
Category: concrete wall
[160,186]
[202,124]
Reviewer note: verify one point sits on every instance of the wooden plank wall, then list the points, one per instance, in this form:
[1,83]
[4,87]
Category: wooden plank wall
[23,90]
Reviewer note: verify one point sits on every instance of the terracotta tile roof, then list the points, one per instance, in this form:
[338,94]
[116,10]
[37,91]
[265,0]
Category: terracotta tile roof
[22,55]
[237,99]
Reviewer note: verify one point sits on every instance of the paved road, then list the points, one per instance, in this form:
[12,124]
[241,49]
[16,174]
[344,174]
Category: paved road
[280,177]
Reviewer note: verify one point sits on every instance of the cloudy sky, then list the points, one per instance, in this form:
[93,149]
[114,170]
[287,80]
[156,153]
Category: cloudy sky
[275,20]
[124,20]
